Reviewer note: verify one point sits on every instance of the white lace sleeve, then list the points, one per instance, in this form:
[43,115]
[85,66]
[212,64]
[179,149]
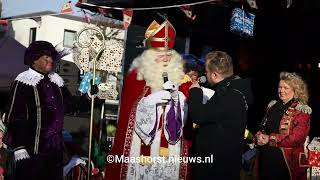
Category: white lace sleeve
[21,154]
[146,120]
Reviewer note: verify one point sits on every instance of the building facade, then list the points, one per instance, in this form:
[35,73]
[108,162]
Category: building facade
[60,30]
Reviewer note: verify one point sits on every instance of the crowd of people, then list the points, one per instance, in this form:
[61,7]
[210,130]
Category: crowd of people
[162,114]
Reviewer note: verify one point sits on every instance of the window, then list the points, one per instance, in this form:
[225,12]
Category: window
[32,35]
[68,38]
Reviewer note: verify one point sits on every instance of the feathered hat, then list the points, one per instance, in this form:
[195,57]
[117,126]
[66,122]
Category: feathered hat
[37,49]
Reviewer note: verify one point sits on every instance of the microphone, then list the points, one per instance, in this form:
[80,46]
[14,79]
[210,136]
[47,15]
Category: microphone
[165,77]
[202,79]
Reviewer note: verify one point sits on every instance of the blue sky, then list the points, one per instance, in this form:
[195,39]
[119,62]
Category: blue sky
[19,7]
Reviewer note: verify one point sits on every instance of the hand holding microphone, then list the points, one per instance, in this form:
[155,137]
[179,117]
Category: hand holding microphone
[170,87]
[162,96]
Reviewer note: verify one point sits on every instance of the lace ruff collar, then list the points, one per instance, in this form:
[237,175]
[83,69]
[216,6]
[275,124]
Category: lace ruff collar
[32,78]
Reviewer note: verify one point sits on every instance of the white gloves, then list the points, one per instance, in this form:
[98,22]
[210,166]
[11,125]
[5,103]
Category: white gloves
[159,97]
[169,86]
[21,154]
[172,88]
[164,96]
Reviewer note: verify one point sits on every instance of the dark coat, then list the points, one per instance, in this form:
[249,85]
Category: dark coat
[222,123]
[35,122]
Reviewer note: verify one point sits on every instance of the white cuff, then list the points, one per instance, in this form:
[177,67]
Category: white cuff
[21,154]
[207,94]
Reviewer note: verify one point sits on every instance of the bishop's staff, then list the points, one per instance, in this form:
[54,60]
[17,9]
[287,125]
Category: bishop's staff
[90,44]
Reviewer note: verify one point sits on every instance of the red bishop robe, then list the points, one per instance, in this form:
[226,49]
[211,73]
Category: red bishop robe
[132,92]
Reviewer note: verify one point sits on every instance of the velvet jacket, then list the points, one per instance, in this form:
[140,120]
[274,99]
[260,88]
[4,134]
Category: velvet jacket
[291,136]
[36,112]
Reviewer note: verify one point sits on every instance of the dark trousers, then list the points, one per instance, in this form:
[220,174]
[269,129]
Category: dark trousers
[43,166]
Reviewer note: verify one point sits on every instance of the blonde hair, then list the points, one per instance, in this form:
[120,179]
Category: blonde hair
[221,62]
[297,84]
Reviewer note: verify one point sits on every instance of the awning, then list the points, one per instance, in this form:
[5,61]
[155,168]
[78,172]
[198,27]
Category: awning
[11,60]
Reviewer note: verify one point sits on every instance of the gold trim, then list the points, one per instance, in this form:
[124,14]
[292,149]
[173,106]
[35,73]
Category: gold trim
[164,152]
[284,157]
[149,37]
[150,31]
[286,120]
[183,166]
[161,39]
[13,99]
[303,165]
[144,160]
[160,49]
[36,142]
[165,23]
[166,36]
[61,95]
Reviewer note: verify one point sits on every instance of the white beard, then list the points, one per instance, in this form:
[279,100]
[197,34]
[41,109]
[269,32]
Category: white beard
[151,72]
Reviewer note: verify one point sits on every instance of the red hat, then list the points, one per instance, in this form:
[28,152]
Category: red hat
[161,37]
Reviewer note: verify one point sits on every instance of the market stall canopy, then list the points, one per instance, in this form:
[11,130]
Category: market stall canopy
[11,60]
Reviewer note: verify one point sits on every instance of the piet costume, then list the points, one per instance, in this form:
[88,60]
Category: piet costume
[288,127]
[35,118]
[146,128]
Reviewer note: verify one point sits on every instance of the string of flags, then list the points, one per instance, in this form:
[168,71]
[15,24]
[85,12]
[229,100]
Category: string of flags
[86,17]
[66,8]
[127,17]
[186,8]
[153,8]
[128,13]
[188,11]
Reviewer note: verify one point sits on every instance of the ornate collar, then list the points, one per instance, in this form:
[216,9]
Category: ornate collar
[32,78]
[296,105]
